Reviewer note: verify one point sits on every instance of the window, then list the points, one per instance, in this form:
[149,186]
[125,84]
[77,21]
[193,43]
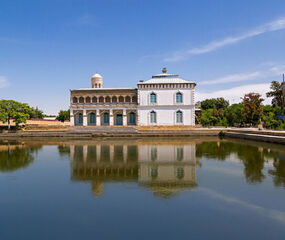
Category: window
[81,100]
[180,173]
[152,98]
[153,117]
[92,118]
[80,118]
[106,118]
[132,118]
[153,154]
[153,172]
[179,117]
[74,100]
[179,97]
[179,154]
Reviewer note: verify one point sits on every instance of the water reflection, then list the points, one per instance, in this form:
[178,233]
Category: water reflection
[253,156]
[164,168]
[14,156]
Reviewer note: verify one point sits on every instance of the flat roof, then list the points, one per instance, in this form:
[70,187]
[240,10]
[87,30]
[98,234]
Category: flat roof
[102,89]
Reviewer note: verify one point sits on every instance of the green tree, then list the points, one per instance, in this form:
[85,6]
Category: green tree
[63,115]
[276,93]
[218,103]
[233,114]
[16,157]
[19,112]
[252,109]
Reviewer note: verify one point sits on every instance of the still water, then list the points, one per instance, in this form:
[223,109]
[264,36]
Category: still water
[202,188]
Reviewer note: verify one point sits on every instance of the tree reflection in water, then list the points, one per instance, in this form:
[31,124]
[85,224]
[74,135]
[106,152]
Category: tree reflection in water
[16,156]
[253,157]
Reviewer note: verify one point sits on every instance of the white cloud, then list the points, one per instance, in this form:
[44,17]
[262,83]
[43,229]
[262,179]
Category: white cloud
[234,95]
[234,78]
[273,71]
[278,24]
[3,82]
[276,215]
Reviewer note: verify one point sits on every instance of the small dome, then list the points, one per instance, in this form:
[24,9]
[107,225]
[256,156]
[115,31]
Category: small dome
[97,75]
[97,81]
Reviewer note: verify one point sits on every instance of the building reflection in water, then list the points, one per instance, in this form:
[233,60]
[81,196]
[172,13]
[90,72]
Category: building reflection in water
[166,169]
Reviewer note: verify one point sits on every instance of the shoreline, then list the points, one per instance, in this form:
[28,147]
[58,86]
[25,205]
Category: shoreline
[272,136]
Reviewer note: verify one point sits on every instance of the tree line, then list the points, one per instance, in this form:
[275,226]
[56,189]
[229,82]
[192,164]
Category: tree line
[249,112]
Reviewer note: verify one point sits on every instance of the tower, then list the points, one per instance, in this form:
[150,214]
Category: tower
[97,81]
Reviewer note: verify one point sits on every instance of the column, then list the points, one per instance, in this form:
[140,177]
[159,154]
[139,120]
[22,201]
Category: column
[98,119]
[71,159]
[84,118]
[71,117]
[112,153]
[111,117]
[124,117]
[98,153]
[125,153]
[85,151]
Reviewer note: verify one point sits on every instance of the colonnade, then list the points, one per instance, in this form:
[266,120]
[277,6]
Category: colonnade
[103,117]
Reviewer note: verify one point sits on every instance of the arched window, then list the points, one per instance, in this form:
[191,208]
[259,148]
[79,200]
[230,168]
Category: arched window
[180,173]
[107,99]
[153,117]
[92,118]
[101,100]
[153,172]
[152,98]
[114,99]
[80,119]
[81,100]
[87,100]
[179,97]
[94,100]
[179,117]
[74,100]
[128,99]
[134,99]
[132,118]
[121,99]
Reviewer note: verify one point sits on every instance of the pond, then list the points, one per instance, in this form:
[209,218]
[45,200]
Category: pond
[191,188]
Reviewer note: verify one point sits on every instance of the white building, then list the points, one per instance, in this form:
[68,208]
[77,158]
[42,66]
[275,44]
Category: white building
[165,99]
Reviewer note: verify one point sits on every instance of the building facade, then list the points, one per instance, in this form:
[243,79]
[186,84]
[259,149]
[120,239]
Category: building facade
[165,168]
[165,99]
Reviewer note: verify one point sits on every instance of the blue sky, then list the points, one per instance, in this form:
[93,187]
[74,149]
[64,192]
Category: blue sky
[226,47]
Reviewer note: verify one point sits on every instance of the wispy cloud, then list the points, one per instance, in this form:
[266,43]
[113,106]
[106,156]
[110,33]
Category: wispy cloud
[234,78]
[3,82]
[278,24]
[85,20]
[276,70]
[234,94]
[276,215]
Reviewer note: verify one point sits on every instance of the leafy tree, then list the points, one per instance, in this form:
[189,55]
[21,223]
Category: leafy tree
[276,93]
[16,157]
[218,103]
[19,112]
[63,115]
[233,114]
[252,110]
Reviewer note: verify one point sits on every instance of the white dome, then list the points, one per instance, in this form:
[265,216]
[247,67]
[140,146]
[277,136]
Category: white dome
[97,81]
[97,75]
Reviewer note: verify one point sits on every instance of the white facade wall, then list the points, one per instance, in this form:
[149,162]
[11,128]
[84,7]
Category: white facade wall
[166,106]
